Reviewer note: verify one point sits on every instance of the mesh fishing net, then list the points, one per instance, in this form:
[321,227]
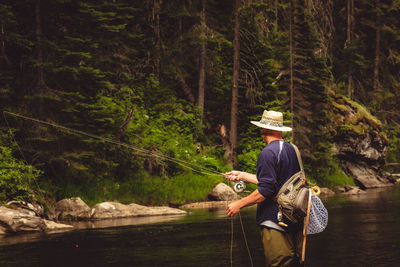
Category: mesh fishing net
[318,216]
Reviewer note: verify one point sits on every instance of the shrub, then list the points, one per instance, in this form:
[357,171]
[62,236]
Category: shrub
[16,177]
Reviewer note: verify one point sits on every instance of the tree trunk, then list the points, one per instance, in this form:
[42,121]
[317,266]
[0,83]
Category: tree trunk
[124,125]
[202,72]
[3,44]
[291,86]
[225,142]
[185,87]
[41,85]
[235,83]
[157,32]
[276,15]
[377,51]
[350,4]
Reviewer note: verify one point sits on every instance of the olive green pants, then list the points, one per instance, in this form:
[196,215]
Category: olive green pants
[282,248]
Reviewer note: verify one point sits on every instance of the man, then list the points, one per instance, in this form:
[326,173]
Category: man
[276,163]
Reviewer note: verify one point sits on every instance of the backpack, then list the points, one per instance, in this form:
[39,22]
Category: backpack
[292,198]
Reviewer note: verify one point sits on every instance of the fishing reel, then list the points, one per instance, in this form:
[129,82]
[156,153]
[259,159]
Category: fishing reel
[239,186]
[316,190]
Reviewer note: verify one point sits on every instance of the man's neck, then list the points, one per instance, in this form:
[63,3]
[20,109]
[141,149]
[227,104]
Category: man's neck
[273,138]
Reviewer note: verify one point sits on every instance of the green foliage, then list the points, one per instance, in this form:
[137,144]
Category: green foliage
[187,187]
[124,71]
[141,188]
[363,114]
[251,142]
[393,155]
[98,171]
[332,174]
[17,179]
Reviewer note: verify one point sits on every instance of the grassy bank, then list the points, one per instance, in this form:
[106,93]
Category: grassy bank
[183,188]
[147,190]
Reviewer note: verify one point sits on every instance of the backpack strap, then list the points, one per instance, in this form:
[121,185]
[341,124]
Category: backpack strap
[280,150]
[299,158]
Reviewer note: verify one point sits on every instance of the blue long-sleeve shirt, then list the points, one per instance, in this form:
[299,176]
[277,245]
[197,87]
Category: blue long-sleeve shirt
[274,167]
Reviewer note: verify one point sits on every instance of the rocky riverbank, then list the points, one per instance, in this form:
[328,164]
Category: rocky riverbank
[17,217]
[23,217]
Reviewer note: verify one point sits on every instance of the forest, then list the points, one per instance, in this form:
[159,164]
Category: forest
[179,82]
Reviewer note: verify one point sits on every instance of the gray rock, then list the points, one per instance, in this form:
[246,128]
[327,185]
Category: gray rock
[140,210]
[223,192]
[325,192]
[31,208]
[53,226]
[110,210]
[3,230]
[72,209]
[348,190]
[359,144]
[366,176]
[339,189]
[395,176]
[206,205]
[19,220]
[353,190]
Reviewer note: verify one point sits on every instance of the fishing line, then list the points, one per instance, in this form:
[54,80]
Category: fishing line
[140,152]
[231,249]
[144,152]
[245,241]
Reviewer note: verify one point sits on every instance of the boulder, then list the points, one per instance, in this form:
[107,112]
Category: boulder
[31,208]
[3,230]
[396,177]
[348,190]
[72,209]
[367,177]
[223,192]
[108,210]
[359,143]
[352,190]
[140,210]
[19,220]
[206,205]
[112,210]
[53,226]
[339,189]
[325,192]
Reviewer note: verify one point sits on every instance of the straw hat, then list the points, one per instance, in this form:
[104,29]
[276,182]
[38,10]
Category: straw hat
[272,120]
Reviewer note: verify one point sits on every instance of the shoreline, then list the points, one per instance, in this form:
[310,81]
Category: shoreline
[117,214]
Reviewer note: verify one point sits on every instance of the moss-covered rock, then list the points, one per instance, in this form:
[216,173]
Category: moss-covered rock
[359,142]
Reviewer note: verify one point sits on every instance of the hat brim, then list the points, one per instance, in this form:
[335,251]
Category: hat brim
[274,128]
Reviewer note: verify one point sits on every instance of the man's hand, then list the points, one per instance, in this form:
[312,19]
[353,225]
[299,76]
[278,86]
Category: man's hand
[233,175]
[233,208]
[239,175]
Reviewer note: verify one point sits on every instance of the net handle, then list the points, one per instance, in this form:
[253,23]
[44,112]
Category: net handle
[305,227]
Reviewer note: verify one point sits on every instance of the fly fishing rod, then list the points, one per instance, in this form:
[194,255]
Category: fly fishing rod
[239,186]
[141,151]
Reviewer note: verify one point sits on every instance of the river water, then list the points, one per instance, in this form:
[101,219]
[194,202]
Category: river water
[362,231]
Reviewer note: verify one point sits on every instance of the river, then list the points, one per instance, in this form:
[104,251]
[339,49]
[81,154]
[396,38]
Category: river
[362,231]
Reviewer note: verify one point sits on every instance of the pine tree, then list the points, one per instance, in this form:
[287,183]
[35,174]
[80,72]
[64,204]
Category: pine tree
[310,78]
[233,135]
